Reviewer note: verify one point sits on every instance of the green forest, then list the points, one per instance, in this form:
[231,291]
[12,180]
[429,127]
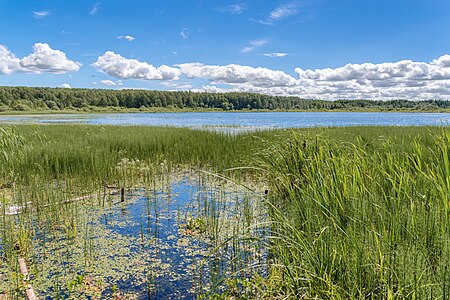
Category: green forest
[44,99]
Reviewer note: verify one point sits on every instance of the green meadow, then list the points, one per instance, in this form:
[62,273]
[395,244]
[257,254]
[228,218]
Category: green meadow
[322,213]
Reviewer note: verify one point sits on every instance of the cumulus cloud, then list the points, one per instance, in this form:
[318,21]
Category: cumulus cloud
[65,86]
[211,89]
[41,14]
[237,74]
[111,83]
[45,59]
[393,80]
[397,80]
[402,79]
[252,45]
[443,61]
[126,37]
[275,54]
[235,9]
[8,61]
[120,67]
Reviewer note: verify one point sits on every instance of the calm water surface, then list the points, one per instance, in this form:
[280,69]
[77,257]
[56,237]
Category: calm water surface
[242,120]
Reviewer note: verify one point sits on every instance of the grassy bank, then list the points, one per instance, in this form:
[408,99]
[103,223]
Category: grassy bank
[355,213]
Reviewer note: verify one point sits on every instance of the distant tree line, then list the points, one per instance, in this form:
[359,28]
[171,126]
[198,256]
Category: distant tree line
[32,98]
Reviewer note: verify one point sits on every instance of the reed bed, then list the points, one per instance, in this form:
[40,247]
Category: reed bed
[55,192]
[367,219]
[348,213]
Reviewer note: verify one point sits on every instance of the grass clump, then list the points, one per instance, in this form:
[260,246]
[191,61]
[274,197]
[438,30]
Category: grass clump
[360,220]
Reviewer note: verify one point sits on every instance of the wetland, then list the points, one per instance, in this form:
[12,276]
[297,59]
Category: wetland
[337,212]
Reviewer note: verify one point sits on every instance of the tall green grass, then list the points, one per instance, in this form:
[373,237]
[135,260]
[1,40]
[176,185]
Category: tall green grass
[367,219]
[91,153]
[356,213]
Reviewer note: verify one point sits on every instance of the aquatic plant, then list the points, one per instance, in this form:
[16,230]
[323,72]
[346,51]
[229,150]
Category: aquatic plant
[359,220]
[348,212]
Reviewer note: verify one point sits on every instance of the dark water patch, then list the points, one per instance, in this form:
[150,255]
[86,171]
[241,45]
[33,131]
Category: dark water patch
[173,240]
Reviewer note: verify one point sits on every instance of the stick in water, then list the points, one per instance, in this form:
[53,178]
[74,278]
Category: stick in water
[29,289]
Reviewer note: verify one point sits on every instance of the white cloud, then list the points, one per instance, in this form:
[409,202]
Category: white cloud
[212,89]
[41,14]
[45,59]
[111,83]
[94,9]
[65,86]
[120,67]
[275,54]
[235,9]
[404,79]
[443,61]
[9,63]
[283,11]
[252,45]
[397,80]
[184,87]
[184,34]
[174,85]
[237,74]
[126,37]
[405,72]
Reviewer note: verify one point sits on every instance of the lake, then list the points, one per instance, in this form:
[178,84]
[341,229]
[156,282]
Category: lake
[241,120]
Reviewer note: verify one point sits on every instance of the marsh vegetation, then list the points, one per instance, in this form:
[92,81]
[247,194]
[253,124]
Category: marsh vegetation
[333,213]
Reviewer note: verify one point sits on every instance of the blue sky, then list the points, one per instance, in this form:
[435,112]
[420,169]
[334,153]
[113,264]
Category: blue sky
[326,49]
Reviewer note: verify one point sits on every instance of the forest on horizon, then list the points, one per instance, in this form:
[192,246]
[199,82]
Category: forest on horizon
[42,99]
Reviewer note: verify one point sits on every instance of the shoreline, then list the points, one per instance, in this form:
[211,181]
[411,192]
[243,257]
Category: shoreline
[139,111]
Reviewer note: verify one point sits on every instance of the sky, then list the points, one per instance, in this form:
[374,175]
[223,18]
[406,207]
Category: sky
[319,49]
